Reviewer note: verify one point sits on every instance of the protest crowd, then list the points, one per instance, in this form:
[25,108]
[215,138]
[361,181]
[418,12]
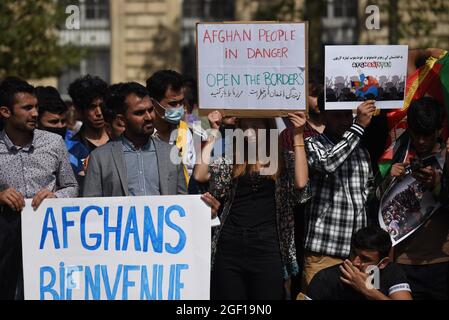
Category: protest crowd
[305,228]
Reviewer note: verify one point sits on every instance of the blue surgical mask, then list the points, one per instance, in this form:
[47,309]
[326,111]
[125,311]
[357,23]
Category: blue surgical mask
[173,115]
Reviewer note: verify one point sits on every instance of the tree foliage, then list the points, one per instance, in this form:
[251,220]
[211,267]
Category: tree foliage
[29,41]
[416,20]
[420,20]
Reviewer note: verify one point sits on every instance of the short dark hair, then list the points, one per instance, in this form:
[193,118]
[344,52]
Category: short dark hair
[190,94]
[116,99]
[424,116]
[85,90]
[320,102]
[48,99]
[163,80]
[372,238]
[109,114]
[9,87]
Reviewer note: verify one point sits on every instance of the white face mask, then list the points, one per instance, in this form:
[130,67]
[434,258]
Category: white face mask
[373,271]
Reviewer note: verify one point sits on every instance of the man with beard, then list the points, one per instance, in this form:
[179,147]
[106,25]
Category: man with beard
[135,164]
[34,165]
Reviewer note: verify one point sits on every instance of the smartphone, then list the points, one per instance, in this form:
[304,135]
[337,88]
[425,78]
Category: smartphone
[417,164]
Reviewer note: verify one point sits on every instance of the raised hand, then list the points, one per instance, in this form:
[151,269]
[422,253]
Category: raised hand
[398,169]
[298,119]
[215,118]
[365,112]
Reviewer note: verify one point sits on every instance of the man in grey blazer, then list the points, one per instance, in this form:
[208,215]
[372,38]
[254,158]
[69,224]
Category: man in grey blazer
[107,174]
[135,164]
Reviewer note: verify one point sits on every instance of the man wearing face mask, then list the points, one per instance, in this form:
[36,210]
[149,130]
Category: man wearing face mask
[52,111]
[167,93]
[367,275]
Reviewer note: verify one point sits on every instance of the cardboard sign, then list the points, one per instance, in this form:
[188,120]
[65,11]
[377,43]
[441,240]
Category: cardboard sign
[139,248]
[252,69]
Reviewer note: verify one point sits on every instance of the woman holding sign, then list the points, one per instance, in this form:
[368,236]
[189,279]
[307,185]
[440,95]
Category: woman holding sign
[253,249]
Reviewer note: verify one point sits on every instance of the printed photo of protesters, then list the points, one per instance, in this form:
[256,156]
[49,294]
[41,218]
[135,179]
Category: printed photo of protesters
[397,212]
[365,87]
[407,205]
[365,72]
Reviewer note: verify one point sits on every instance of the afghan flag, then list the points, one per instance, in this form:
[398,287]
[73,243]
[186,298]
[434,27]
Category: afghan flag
[432,79]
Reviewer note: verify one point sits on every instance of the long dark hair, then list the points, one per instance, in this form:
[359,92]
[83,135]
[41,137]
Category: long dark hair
[246,168]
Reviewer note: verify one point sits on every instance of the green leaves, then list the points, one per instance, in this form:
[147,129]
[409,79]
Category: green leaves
[29,41]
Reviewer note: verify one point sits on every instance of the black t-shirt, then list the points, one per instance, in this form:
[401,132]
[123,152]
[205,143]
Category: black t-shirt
[254,202]
[327,285]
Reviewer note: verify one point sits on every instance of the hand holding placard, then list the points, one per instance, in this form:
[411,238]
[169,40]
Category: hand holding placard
[365,112]
[298,119]
[13,199]
[398,169]
[215,118]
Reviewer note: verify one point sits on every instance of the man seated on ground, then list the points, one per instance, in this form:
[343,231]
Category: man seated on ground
[368,274]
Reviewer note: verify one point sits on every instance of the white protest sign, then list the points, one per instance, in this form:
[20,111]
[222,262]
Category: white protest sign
[365,72]
[252,66]
[139,248]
